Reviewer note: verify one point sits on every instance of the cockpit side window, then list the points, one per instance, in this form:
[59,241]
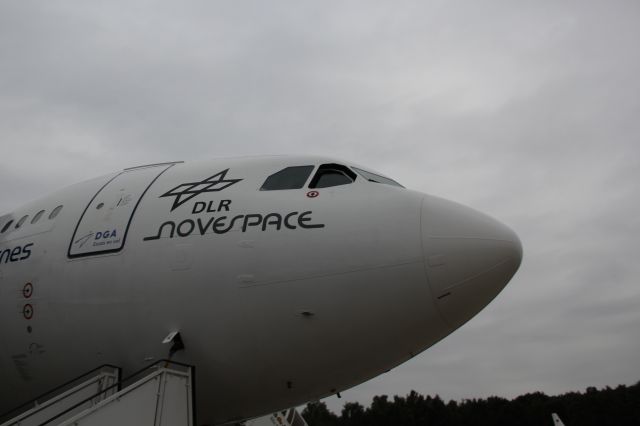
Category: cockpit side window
[332,175]
[372,177]
[288,178]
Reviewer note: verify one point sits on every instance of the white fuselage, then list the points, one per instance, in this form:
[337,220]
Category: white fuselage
[280,296]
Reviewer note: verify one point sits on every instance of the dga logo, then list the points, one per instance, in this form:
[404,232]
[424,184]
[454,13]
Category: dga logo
[106,234]
[186,191]
[84,239]
[99,238]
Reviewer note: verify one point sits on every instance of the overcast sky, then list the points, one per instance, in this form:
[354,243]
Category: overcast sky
[528,111]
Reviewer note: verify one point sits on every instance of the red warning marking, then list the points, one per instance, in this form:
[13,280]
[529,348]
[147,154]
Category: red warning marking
[27,290]
[27,311]
[312,194]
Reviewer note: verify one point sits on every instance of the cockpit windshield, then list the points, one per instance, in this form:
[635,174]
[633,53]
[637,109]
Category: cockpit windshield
[326,176]
[332,175]
[372,177]
[288,178]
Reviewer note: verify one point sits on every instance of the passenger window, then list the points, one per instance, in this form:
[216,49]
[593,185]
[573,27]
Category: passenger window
[37,217]
[332,175]
[21,221]
[55,212]
[372,177]
[289,178]
[6,226]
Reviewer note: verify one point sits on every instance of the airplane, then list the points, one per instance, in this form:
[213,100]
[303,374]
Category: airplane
[290,417]
[556,420]
[286,278]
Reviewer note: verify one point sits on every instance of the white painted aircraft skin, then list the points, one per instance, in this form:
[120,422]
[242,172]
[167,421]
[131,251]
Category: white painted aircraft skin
[281,297]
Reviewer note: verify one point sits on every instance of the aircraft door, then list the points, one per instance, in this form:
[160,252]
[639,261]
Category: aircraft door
[104,224]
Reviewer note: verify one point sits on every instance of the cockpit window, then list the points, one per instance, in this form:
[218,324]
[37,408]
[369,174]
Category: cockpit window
[332,175]
[289,178]
[372,177]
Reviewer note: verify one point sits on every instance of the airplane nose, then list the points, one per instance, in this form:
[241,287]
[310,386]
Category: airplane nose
[469,257]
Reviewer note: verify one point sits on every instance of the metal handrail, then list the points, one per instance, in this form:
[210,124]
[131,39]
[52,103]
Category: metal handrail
[49,394]
[119,386]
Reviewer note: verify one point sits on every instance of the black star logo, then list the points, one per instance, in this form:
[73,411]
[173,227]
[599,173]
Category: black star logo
[186,191]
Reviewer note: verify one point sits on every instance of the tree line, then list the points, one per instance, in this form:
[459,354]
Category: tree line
[608,406]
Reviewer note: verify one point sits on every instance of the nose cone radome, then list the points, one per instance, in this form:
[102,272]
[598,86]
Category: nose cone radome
[469,257]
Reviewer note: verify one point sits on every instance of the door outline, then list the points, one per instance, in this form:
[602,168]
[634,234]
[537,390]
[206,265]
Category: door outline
[133,212]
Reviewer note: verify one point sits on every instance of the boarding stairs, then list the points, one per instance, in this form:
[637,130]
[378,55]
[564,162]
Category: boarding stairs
[158,395]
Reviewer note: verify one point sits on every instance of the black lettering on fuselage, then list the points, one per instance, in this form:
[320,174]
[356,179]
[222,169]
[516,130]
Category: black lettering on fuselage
[203,207]
[286,220]
[218,225]
[272,219]
[15,254]
[26,250]
[223,224]
[303,218]
[190,227]
[159,235]
[251,220]
[203,229]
